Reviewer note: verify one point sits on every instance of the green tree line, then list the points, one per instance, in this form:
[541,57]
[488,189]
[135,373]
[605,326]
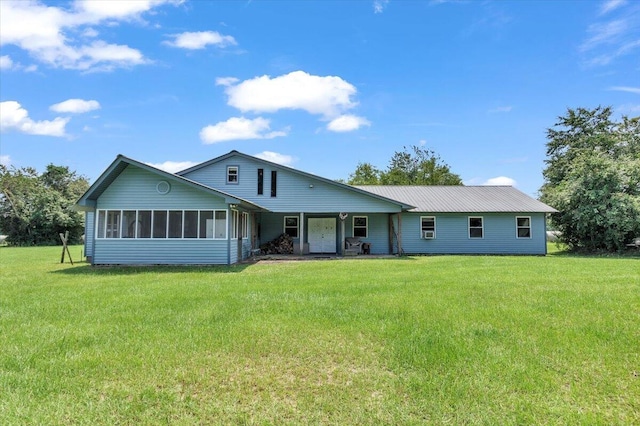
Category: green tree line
[592,177]
[35,208]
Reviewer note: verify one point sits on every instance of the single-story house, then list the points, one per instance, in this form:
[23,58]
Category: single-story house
[221,210]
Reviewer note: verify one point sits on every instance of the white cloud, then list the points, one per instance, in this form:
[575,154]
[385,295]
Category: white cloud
[5,62]
[379,5]
[506,108]
[98,10]
[500,181]
[628,89]
[5,160]
[14,117]
[347,123]
[75,106]
[629,109]
[226,81]
[327,96]
[612,36]
[200,40]
[274,157]
[239,128]
[52,34]
[173,166]
[604,33]
[610,5]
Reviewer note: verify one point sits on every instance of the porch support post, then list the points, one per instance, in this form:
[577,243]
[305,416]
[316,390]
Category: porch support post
[301,235]
[390,233]
[400,234]
[341,237]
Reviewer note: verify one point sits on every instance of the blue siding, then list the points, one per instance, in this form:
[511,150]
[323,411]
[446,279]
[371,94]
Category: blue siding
[89,232]
[452,235]
[294,191]
[378,231]
[160,251]
[135,188]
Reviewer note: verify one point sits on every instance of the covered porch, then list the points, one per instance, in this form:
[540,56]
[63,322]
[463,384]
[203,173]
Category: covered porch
[331,233]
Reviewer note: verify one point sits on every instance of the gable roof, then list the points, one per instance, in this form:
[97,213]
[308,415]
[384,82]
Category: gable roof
[462,199]
[88,199]
[404,205]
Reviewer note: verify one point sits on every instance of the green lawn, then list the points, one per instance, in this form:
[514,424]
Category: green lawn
[441,340]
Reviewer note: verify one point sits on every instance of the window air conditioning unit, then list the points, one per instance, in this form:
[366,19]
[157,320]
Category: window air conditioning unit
[428,235]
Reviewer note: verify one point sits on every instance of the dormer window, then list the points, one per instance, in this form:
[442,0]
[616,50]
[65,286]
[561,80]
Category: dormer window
[232,175]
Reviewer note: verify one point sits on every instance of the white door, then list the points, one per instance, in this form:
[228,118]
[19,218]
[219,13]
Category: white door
[322,235]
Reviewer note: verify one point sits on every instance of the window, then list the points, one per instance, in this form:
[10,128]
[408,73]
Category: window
[428,227]
[144,224]
[113,224]
[128,224]
[360,226]
[260,181]
[232,174]
[190,224]
[245,225]
[234,224]
[164,224]
[175,224]
[159,224]
[274,182]
[476,229]
[523,227]
[221,224]
[206,224]
[291,226]
[101,222]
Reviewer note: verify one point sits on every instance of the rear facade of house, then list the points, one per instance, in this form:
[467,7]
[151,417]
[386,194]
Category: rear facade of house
[223,210]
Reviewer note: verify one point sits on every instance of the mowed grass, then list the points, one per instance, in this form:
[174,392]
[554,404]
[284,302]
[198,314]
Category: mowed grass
[439,340]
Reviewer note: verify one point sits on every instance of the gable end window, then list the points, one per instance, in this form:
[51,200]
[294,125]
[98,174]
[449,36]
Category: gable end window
[428,227]
[291,226]
[274,182]
[260,181]
[523,227]
[360,226]
[476,227]
[232,175]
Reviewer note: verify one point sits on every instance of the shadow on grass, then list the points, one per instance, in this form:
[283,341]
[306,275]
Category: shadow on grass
[87,269]
[633,254]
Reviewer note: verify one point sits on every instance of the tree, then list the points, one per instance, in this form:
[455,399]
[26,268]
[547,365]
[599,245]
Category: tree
[34,208]
[365,174]
[593,178]
[414,166]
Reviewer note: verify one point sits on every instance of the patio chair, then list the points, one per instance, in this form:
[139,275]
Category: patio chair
[353,244]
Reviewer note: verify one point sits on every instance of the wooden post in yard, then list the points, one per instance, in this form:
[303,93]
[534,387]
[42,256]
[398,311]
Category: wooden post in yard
[65,237]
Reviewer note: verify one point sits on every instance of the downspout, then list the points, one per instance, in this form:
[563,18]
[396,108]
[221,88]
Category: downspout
[400,251]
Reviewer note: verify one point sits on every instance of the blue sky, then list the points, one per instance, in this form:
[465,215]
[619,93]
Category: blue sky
[316,85]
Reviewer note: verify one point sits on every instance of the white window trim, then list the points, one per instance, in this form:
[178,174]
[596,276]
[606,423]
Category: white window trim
[366,227]
[475,227]
[151,237]
[237,169]
[434,226]
[518,237]
[284,225]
